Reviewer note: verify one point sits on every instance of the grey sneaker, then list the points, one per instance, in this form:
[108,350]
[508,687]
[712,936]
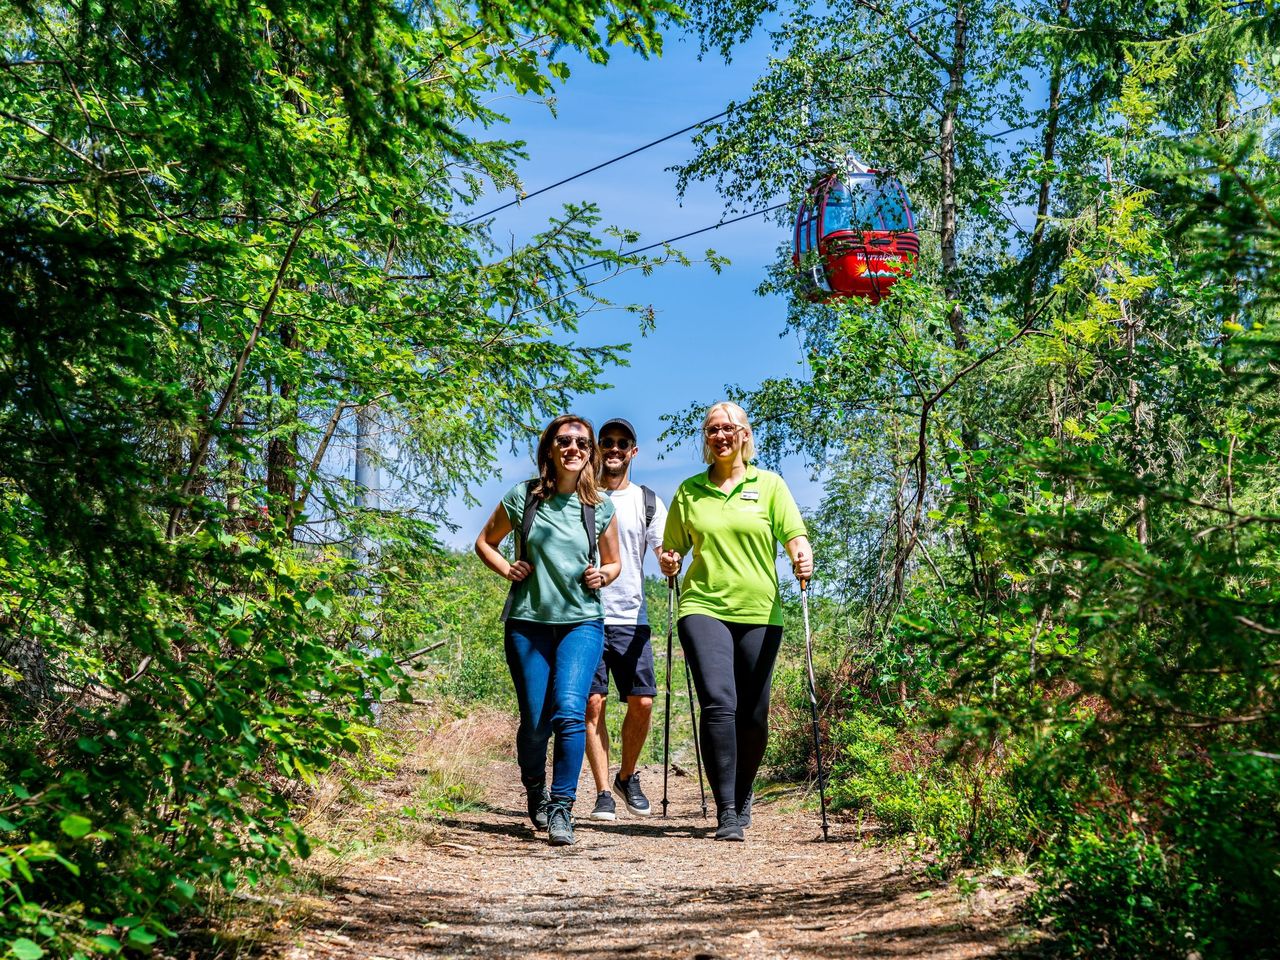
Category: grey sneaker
[728,827]
[631,795]
[605,808]
[744,812]
[536,799]
[559,824]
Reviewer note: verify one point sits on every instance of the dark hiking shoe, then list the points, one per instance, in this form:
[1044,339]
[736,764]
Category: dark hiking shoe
[631,795]
[536,800]
[744,812]
[559,825]
[728,827]
[605,808]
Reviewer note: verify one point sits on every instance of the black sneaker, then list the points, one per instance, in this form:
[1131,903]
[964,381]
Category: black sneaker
[744,812]
[631,795]
[559,824]
[728,827]
[536,799]
[605,807]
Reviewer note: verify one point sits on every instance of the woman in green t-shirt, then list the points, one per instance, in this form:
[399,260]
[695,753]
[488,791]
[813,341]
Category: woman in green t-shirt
[732,517]
[554,618]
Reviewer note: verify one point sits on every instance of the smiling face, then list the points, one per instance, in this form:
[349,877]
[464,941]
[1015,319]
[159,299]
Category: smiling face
[617,448]
[571,449]
[723,438]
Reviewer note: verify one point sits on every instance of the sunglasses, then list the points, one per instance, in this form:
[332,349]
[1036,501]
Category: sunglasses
[608,443]
[564,443]
[728,428]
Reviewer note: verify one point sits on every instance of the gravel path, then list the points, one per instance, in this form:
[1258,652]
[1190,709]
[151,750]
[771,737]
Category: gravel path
[483,884]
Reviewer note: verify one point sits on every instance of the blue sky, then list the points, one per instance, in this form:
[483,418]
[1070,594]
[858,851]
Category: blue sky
[712,330]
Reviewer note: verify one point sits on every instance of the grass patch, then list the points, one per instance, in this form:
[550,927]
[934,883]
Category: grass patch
[446,790]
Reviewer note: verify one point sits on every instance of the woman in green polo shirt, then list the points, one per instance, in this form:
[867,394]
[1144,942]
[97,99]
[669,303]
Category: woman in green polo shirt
[554,618]
[732,517]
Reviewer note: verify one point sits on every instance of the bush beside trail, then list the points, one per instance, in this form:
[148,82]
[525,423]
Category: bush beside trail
[1047,540]
[231,255]
[1181,857]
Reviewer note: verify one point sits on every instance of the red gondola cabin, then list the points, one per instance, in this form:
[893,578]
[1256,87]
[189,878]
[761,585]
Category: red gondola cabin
[859,221]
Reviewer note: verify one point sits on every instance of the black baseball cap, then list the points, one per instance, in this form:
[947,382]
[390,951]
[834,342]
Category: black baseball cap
[624,424]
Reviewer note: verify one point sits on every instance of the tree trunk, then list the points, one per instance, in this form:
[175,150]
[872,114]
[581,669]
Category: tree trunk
[235,465]
[947,154]
[1050,143]
[282,449]
[26,655]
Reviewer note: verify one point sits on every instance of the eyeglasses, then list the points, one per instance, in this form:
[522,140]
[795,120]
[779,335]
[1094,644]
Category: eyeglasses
[608,443]
[564,443]
[727,428]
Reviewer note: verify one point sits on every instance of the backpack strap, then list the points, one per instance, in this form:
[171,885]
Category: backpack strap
[650,505]
[589,521]
[531,504]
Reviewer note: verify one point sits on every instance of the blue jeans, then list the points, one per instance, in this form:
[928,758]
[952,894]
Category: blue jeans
[552,665]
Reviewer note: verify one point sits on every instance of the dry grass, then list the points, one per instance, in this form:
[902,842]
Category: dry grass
[429,761]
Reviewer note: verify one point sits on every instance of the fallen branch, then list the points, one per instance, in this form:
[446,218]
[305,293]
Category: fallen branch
[409,658]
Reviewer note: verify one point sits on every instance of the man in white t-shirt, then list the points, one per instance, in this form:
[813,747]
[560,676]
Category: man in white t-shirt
[628,653]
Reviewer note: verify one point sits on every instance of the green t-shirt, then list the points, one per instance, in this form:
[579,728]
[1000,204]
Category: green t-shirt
[557,551]
[735,539]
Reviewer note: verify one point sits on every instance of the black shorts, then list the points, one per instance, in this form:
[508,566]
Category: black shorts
[628,655]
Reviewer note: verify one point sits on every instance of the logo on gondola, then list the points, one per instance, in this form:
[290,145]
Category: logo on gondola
[884,268]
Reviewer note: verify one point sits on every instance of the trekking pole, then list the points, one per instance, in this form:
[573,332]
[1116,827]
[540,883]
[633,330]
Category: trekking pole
[813,703]
[697,750]
[666,723]
[693,723]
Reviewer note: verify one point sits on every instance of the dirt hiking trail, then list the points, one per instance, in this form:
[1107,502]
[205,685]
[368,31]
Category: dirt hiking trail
[481,883]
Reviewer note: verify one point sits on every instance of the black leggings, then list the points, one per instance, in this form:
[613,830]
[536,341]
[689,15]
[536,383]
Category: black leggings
[732,665]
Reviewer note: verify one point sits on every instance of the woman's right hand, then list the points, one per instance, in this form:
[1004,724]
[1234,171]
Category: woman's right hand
[519,570]
[669,562]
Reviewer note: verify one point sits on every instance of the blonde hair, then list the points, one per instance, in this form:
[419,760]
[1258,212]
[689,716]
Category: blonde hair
[738,417]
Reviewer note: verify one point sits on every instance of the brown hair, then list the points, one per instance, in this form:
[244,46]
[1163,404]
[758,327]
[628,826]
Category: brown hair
[588,490]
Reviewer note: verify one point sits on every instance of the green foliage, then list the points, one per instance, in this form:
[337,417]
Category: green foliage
[1051,489]
[455,600]
[1113,888]
[226,229]
[177,773]
[965,809]
[440,792]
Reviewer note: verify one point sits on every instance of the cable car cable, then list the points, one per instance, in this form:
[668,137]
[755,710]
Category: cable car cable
[653,143]
[628,253]
[686,236]
[693,233]
[598,166]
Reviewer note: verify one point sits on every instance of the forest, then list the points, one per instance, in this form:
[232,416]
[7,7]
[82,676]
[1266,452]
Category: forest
[234,234]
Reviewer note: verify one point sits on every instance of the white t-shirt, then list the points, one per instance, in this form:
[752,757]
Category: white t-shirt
[624,598]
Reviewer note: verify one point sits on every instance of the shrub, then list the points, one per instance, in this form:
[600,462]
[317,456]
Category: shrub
[1196,867]
[964,806]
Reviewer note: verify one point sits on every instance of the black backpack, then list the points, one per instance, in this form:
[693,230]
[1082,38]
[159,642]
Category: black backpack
[650,505]
[531,504]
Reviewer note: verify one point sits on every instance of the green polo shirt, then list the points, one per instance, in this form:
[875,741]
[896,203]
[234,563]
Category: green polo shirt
[734,539]
[557,549]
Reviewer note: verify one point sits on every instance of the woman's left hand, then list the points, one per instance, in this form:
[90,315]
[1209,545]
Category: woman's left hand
[594,578]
